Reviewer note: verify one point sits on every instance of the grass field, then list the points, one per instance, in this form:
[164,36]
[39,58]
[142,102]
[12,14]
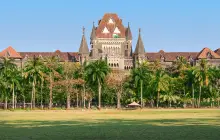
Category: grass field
[164,124]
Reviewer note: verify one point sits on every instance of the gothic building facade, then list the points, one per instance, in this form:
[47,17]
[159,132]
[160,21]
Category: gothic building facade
[112,41]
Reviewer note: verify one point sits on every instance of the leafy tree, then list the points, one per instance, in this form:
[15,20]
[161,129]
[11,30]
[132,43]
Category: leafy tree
[52,64]
[116,80]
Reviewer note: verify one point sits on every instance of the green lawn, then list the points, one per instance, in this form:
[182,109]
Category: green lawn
[146,124]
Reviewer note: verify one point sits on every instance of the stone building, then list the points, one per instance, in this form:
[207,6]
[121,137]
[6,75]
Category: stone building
[112,41]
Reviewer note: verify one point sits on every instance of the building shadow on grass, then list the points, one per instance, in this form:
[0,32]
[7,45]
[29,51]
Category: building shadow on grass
[112,129]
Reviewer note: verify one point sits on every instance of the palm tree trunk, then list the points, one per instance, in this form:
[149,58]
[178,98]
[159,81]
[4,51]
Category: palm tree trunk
[15,101]
[141,94]
[24,102]
[6,103]
[41,92]
[84,94]
[77,100]
[13,96]
[118,100]
[68,101]
[99,86]
[158,96]
[51,92]
[170,103]
[32,95]
[193,102]
[89,104]
[200,92]
[152,103]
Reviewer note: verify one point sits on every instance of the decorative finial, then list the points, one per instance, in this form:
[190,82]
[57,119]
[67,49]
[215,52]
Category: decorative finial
[128,24]
[93,23]
[139,30]
[83,30]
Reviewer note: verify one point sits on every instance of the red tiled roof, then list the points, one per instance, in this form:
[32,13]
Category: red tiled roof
[204,52]
[110,26]
[169,56]
[10,52]
[218,51]
[64,56]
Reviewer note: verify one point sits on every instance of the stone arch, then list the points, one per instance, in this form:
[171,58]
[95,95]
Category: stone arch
[114,64]
[111,64]
[117,65]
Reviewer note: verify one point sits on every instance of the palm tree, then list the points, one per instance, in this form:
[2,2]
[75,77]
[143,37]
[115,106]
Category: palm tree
[191,79]
[3,87]
[140,76]
[41,90]
[200,80]
[160,82]
[202,76]
[214,83]
[14,82]
[96,72]
[170,97]
[155,66]
[6,66]
[34,70]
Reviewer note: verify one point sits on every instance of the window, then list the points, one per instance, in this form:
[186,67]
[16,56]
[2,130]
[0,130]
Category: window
[117,31]
[105,31]
[110,21]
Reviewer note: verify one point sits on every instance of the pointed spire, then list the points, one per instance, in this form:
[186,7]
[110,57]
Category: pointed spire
[83,30]
[128,33]
[140,46]
[93,34]
[83,46]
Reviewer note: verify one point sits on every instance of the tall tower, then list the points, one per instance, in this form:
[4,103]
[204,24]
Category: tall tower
[139,50]
[112,41]
[83,50]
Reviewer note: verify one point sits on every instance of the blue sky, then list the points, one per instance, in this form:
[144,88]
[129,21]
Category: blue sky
[171,25]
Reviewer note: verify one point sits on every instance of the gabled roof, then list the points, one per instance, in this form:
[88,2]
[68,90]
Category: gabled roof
[10,53]
[83,46]
[64,56]
[218,51]
[140,45]
[104,23]
[203,54]
[170,56]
